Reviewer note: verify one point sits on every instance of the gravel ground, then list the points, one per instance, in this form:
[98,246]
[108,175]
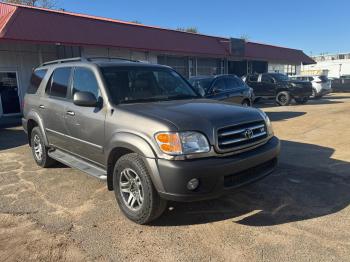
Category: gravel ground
[299,213]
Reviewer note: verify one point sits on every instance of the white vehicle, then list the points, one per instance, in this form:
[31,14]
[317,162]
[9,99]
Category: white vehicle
[321,84]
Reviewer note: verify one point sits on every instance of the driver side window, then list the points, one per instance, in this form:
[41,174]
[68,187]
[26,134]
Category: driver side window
[84,80]
[219,85]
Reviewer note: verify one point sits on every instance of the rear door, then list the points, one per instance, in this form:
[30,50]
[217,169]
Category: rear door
[52,107]
[86,125]
[267,85]
[252,81]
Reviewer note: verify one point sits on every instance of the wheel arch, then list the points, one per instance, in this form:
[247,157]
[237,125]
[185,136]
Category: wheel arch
[125,143]
[34,120]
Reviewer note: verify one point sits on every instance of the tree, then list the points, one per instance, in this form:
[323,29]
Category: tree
[188,29]
[40,3]
[245,37]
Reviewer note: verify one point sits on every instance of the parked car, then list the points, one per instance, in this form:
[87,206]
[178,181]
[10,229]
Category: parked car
[279,87]
[341,84]
[146,131]
[321,84]
[228,88]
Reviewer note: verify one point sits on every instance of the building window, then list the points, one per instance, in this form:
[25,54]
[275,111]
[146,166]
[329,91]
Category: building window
[207,66]
[180,64]
[290,70]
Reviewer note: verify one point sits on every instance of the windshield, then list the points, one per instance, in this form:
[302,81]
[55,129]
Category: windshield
[144,84]
[281,77]
[203,83]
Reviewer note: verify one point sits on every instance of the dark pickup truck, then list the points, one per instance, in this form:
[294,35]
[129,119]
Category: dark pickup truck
[279,87]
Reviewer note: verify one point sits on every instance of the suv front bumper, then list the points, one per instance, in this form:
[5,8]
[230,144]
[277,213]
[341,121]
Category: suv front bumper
[216,175]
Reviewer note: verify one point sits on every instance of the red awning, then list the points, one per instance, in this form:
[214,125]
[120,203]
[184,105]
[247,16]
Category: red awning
[23,23]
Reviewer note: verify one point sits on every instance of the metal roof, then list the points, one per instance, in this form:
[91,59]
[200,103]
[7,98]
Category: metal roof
[39,25]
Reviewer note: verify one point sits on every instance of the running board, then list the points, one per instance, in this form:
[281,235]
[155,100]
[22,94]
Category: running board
[78,163]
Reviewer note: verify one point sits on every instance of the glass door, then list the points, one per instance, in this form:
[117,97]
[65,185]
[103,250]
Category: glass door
[9,96]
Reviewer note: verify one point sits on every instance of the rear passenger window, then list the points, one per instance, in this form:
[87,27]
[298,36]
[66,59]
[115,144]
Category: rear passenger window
[35,81]
[58,85]
[84,80]
[253,78]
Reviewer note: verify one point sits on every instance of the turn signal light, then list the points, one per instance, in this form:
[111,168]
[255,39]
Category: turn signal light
[169,143]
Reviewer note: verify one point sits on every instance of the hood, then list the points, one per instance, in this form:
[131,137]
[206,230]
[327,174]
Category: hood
[200,115]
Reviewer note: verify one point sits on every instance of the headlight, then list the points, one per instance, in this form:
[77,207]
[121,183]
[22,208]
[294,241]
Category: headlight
[181,143]
[267,122]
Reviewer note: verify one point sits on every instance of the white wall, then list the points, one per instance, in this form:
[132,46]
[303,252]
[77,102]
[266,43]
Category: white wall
[335,68]
[281,68]
[22,58]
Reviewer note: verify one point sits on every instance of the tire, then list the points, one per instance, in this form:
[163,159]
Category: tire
[283,98]
[314,94]
[246,103]
[130,174]
[301,101]
[39,150]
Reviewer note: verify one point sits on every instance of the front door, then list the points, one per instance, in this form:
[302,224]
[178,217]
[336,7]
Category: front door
[9,97]
[86,125]
[235,90]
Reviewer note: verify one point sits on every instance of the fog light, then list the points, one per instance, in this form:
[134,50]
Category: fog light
[193,184]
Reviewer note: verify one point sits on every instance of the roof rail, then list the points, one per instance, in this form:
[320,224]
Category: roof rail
[109,58]
[67,60]
[89,59]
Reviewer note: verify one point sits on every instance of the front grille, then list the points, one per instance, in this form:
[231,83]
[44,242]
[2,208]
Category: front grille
[250,175]
[239,136]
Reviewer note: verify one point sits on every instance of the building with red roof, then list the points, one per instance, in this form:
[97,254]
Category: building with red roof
[30,36]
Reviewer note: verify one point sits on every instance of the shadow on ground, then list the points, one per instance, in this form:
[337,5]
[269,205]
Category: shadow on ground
[293,193]
[12,137]
[279,116]
[320,101]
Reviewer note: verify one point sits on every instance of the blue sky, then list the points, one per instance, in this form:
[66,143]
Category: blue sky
[315,26]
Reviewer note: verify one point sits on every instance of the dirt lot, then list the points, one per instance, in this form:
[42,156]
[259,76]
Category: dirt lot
[300,213]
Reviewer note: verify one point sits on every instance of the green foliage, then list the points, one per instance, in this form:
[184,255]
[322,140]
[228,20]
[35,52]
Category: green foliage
[39,3]
[188,29]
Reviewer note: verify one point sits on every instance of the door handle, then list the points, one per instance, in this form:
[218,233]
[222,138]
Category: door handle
[42,107]
[71,113]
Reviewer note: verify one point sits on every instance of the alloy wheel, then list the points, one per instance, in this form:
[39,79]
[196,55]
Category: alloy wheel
[38,149]
[131,189]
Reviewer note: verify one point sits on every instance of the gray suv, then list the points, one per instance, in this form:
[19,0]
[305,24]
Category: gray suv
[146,131]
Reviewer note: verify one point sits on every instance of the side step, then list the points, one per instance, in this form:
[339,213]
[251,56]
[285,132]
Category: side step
[78,163]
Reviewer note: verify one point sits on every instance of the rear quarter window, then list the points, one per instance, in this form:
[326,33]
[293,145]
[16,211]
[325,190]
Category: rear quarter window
[35,81]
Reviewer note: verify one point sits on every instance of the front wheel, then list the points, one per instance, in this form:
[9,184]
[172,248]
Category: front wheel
[136,196]
[283,98]
[301,101]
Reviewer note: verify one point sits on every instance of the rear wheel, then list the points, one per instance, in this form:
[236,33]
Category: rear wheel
[39,150]
[136,196]
[246,103]
[283,98]
[314,94]
[302,100]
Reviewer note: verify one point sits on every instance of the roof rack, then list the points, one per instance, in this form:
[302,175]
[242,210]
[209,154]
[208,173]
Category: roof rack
[89,59]
[110,59]
[67,60]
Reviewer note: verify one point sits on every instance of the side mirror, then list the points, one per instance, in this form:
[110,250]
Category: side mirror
[216,90]
[86,99]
